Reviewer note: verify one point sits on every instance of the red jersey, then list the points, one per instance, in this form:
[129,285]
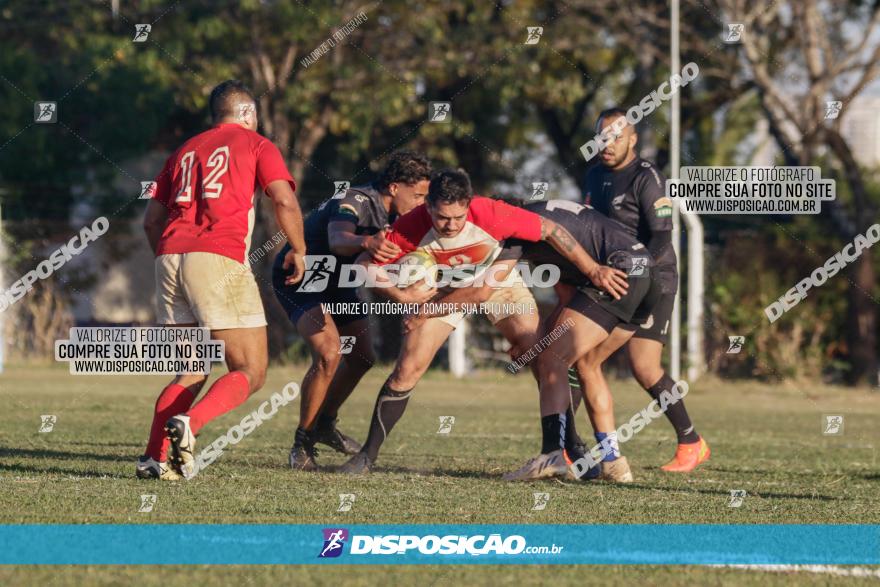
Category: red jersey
[489,222]
[208,186]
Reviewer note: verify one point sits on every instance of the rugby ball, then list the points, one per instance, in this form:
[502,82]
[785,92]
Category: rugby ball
[416,266]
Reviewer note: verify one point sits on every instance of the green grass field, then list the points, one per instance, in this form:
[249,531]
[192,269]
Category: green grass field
[765,439]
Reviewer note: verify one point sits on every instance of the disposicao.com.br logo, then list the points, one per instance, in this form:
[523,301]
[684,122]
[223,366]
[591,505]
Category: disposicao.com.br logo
[431,544]
[334,541]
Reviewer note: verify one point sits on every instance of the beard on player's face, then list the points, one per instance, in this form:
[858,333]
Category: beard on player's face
[613,157]
[620,148]
[448,218]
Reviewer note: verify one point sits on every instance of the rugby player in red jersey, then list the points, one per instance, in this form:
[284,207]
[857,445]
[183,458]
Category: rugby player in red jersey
[459,229]
[199,224]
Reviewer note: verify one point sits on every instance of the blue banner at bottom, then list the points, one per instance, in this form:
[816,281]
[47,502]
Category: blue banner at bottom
[440,544]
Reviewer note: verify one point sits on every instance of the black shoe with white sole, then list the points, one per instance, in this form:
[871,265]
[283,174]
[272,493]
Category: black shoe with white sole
[183,445]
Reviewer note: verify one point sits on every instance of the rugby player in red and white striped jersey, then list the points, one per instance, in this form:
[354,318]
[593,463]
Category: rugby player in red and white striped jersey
[459,229]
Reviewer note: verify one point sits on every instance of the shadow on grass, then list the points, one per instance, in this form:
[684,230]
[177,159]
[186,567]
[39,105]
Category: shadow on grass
[480,474]
[122,445]
[717,492]
[746,471]
[30,470]
[438,472]
[42,453]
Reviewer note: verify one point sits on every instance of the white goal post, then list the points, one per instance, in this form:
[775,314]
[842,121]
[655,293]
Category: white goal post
[695,283]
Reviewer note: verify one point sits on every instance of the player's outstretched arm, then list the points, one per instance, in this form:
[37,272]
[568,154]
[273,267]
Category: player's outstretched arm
[289,217]
[345,241]
[155,219]
[611,280]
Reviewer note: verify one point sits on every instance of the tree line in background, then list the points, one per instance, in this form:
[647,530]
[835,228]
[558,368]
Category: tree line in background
[336,118]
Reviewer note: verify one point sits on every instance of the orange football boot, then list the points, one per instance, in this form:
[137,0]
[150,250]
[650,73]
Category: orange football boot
[688,456]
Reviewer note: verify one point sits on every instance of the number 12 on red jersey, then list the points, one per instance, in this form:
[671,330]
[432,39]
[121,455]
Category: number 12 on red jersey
[218,163]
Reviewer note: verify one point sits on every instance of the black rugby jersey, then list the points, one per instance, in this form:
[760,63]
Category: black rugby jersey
[635,196]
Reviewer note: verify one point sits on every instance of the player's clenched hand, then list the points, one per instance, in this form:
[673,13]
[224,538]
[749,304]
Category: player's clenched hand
[380,248]
[609,279]
[297,263]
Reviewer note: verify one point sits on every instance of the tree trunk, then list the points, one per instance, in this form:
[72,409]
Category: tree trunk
[862,322]
[862,311]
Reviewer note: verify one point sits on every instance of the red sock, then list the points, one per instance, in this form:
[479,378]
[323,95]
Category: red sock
[226,394]
[174,399]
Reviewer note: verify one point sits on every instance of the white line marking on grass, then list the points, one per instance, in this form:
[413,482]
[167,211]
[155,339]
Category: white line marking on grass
[818,569]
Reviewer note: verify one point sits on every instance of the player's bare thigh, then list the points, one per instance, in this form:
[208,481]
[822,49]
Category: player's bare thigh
[593,360]
[417,352]
[521,330]
[577,335]
[515,314]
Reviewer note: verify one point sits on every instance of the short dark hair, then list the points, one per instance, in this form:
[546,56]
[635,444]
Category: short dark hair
[406,167]
[450,186]
[225,97]
[613,111]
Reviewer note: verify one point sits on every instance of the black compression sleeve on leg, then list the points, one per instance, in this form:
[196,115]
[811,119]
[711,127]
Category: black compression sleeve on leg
[574,445]
[390,406]
[571,436]
[325,421]
[576,393]
[552,433]
[676,413]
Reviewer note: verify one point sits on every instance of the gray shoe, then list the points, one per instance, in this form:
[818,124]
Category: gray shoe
[302,455]
[543,466]
[359,464]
